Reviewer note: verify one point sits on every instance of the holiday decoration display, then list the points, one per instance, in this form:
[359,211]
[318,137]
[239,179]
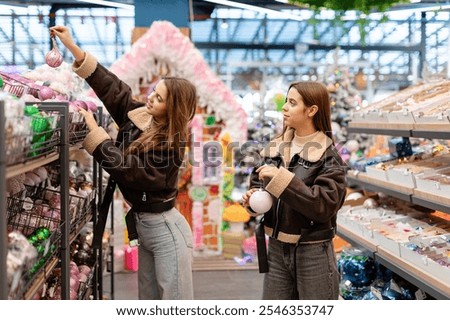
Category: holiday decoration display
[62,80]
[260,201]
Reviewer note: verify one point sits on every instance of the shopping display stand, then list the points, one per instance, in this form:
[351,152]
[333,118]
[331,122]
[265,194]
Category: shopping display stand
[63,157]
[60,154]
[434,286]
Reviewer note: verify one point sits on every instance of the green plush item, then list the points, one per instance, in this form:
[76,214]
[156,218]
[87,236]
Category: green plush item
[31,110]
[39,123]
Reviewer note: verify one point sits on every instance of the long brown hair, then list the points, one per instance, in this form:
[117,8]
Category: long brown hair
[172,132]
[315,93]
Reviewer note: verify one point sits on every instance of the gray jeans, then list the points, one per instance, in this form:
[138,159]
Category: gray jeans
[313,276]
[165,256]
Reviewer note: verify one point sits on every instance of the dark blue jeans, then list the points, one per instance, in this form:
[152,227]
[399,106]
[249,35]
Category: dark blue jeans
[313,276]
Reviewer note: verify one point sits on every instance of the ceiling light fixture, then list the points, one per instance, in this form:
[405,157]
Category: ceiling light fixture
[110,4]
[240,5]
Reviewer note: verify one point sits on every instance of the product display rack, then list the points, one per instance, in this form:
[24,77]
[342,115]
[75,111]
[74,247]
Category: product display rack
[437,288]
[68,232]
[63,157]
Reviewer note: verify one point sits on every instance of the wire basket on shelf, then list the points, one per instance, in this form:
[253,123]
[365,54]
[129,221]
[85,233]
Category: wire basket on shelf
[30,137]
[40,224]
[83,208]
[46,133]
[17,87]
[77,128]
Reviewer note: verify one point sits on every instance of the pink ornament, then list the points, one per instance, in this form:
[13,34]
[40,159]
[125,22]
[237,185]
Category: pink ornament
[46,93]
[84,269]
[92,106]
[73,294]
[54,58]
[74,283]
[73,107]
[260,201]
[83,278]
[80,105]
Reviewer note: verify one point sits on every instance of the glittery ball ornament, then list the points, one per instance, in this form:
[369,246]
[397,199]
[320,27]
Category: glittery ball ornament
[260,201]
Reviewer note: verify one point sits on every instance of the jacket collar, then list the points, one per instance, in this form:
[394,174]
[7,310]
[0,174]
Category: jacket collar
[140,117]
[312,151]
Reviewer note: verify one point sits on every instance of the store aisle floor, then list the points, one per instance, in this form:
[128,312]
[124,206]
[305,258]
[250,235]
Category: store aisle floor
[214,279]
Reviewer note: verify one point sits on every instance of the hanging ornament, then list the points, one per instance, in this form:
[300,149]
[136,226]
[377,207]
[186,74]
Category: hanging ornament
[260,201]
[54,58]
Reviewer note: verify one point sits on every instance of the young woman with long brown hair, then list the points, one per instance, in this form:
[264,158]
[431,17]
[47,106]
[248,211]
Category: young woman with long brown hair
[145,167]
[305,176]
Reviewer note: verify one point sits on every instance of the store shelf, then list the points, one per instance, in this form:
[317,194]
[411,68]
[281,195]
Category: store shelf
[361,179]
[17,169]
[40,279]
[437,288]
[429,131]
[434,202]
[430,134]
[355,239]
[423,280]
[414,196]
[379,129]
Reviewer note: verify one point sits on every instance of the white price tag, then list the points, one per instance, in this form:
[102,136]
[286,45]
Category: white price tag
[376,293]
[420,295]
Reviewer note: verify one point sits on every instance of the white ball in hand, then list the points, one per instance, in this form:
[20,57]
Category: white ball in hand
[260,201]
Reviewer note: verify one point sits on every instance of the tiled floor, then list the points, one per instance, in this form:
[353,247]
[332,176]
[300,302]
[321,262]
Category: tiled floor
[214,279]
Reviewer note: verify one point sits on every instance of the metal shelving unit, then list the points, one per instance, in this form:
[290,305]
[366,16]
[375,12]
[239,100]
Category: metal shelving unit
[61,158]
[438,288]
[433,286]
